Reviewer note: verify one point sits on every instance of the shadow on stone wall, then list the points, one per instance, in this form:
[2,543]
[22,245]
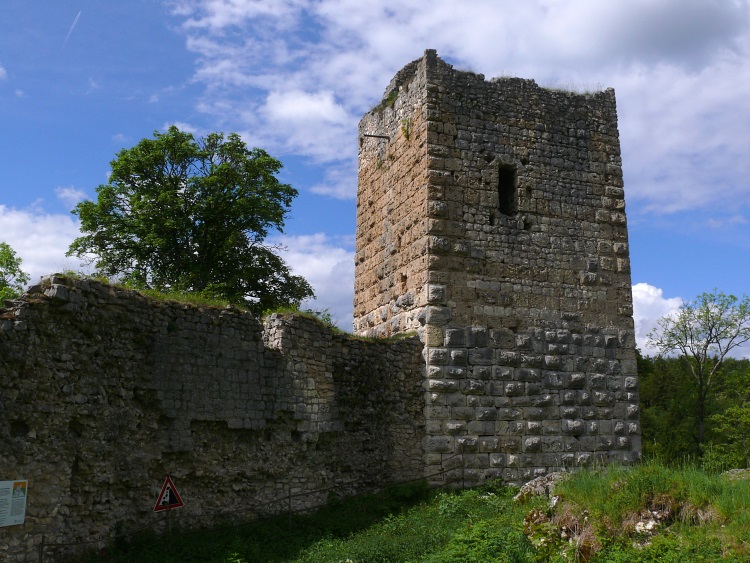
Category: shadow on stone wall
[103,392]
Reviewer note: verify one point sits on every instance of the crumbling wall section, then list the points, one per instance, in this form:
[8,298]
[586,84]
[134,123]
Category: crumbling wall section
[103,392]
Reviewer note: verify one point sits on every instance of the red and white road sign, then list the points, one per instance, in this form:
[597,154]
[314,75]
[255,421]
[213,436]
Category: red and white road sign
[169,498]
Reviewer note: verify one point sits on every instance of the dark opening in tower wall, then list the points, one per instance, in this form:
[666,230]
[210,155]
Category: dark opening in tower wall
[506,190]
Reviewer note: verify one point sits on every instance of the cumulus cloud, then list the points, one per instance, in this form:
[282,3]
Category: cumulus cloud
[649,305]
[299,75]
[40,239]
[726,222]
[70,196]
[327,263]
[182,126]
[313,124]
[215,15]
[340,182]
[121,138]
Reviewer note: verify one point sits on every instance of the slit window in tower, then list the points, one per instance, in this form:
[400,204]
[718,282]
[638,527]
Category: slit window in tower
[506,190]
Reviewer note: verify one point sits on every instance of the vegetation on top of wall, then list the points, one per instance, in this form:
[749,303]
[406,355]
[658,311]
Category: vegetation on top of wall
[387,102]
[576,88]
[325,318]
[184,297]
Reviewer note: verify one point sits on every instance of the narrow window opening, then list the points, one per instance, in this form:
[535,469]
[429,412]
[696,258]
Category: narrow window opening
[506,190]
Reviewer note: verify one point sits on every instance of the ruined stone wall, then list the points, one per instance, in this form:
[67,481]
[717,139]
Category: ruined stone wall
[103,392]
[526,313]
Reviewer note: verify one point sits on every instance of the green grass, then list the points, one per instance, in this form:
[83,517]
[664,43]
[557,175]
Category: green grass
[704,517]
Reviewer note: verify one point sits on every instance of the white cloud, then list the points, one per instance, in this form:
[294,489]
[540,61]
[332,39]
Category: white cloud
[3,73]
[40,239]
[726,222]
[340,182]
[70,196]
[20,93]
[649,305]
[328,265]
[299,75]
[687,33]
[313,124]
[296,106]
[218,14]
[182,126]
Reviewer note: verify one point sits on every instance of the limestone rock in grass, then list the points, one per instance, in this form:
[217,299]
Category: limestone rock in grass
[544,485]
[737,474]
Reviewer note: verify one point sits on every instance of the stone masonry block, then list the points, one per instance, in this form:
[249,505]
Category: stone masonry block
[573,427]
[514,389]
[503,373]
[437,356]
[443,385]
[467,444]
[481,427]
[455,337]
[463,413]
[439,444]
[497,460]
[478,337]
[501,338]
[482,372]
[473,387]
[453,427]
[459,357]
[510,444]
[486,413]
[532,444]
[481,356]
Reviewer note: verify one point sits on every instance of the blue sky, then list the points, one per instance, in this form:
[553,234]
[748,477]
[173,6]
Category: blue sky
[82,79]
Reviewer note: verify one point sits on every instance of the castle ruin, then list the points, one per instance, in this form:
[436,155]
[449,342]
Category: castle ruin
[491,221]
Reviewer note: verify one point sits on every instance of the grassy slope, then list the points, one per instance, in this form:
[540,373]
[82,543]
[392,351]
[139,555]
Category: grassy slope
[649,513]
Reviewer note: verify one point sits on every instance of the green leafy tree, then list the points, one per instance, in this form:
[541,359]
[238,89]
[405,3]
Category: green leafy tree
[192,215]
[704,332]
[728,428]
[12,278]
[668,406]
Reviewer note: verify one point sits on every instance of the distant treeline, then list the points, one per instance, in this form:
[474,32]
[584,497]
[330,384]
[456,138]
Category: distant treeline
[670,407]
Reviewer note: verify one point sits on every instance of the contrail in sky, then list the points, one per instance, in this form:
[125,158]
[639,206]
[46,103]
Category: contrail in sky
[72,27]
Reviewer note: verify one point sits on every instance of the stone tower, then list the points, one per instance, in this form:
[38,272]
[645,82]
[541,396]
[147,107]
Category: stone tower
[491,220]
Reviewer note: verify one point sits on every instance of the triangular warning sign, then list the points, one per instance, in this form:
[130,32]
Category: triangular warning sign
[169,498]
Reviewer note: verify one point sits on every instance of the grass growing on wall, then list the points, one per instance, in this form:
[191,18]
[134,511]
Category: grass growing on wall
[649,513]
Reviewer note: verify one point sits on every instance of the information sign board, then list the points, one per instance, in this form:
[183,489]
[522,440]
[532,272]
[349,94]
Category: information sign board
[13,502]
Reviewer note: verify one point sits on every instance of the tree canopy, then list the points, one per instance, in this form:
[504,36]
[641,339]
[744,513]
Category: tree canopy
[192,215]
[12,278]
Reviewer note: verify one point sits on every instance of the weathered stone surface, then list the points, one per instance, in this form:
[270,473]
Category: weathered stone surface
[99,402]
[499,207]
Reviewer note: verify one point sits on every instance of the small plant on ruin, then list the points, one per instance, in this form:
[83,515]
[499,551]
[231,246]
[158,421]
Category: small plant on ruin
[406,127]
